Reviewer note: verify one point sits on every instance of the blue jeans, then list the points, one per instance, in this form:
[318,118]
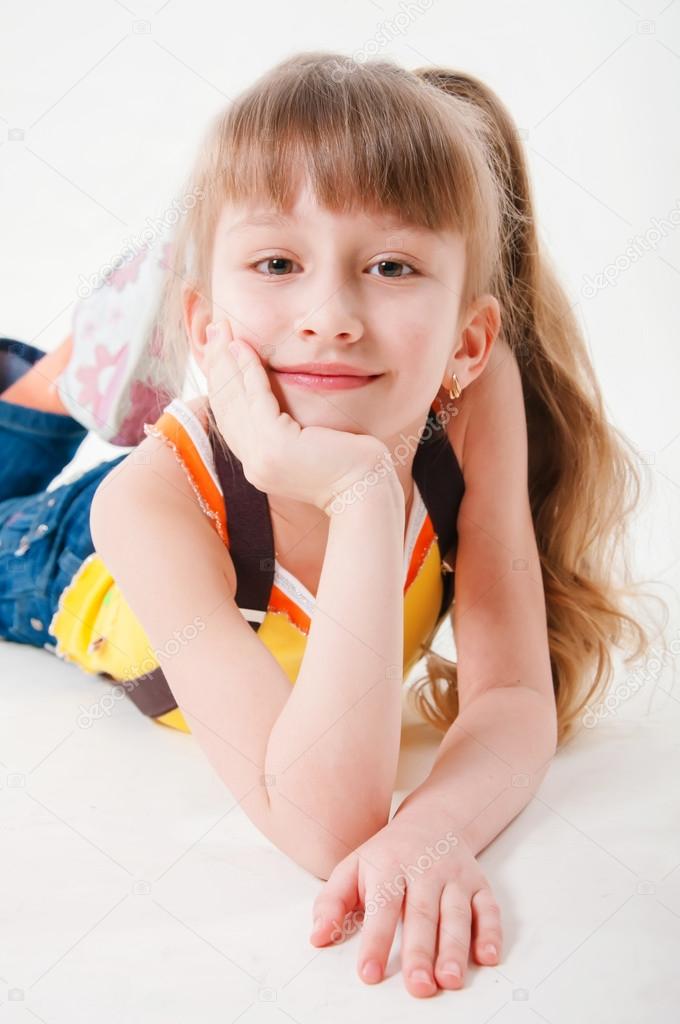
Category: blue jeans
[44,534]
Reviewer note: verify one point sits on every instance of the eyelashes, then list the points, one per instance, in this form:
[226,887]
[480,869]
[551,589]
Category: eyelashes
[388,262]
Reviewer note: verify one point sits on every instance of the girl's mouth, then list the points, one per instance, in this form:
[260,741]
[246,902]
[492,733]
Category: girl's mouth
[325,382]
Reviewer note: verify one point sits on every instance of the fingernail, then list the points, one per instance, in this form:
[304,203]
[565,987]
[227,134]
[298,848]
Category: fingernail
[452,968]
[371,971]
[490,950]
[211,331]
[421,975]
[318,924]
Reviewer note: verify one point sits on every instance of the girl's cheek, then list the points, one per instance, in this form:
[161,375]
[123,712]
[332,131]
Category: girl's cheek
[250,317]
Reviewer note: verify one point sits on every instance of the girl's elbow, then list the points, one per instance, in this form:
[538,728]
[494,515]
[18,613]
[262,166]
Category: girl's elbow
[335,852]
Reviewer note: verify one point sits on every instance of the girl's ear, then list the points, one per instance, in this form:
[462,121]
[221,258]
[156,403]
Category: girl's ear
[197,310]
[477,338]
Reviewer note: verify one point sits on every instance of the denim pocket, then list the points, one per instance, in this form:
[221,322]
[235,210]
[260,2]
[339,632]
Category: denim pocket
[32,614]
[18,518]
[25,520]
[28,531]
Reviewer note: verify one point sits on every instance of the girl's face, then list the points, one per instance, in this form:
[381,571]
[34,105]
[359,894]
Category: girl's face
[360,289]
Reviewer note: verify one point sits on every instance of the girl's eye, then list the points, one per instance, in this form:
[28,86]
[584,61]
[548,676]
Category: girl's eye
[395,263]
[389,265]
[272,259]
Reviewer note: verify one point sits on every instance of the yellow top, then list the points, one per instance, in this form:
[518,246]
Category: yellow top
[95,627]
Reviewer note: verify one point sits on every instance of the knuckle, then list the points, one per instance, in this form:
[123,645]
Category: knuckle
[417,956]
[422,910]
[449,941]
[459,909]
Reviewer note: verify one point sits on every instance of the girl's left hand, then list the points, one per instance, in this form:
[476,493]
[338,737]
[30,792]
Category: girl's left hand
[279,456]
[430,874]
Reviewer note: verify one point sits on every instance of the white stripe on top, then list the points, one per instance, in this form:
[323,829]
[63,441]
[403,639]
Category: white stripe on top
[284,580]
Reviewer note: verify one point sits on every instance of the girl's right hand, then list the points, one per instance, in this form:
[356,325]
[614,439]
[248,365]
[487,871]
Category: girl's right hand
[308,464]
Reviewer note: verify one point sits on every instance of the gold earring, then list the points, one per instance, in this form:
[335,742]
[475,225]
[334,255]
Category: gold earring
[455,383]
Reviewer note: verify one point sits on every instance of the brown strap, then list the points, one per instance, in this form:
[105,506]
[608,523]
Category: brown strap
[441,484]
[251,539]
[151,693]
[251,542]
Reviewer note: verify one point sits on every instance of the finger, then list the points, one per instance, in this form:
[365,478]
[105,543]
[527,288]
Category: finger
[455,923]
[217,359]
[219,363]
[338,897]
[217,335]
[224,379]
[419,941]
[381,917]
[487,930]
[256,384]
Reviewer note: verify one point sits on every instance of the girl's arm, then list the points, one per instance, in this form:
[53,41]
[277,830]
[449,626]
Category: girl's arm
[496,752]
[494,756]
[334,748]
[173,569]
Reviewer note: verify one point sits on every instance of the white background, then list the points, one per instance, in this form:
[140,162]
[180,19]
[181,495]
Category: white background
[102,105]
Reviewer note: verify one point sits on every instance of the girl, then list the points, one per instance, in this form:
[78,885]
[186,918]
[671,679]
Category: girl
[408,394]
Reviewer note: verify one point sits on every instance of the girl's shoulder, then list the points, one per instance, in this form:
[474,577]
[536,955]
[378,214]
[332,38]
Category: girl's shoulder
[171,470]
[182,432]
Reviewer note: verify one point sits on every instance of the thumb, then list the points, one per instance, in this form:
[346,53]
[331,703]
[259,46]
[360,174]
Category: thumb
[338,898]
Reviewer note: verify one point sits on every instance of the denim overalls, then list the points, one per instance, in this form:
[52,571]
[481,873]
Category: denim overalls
[44,534]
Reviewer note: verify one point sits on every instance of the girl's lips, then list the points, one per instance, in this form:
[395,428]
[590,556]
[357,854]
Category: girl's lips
[325,382]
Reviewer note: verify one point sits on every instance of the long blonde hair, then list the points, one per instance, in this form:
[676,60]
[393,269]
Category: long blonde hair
[439,149]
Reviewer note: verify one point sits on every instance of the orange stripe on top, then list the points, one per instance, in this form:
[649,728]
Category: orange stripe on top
[420,550]
[210,498]
[212,502]
[281,603]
